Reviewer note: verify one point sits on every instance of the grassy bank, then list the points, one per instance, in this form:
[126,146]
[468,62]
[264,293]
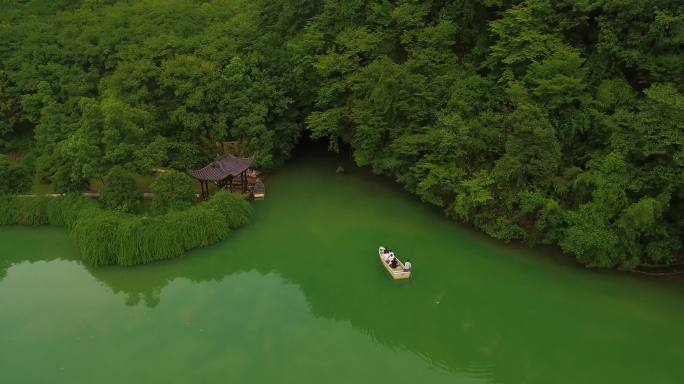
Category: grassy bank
[106,237]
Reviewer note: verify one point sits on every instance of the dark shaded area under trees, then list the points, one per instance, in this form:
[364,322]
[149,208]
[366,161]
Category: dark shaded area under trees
[552,122]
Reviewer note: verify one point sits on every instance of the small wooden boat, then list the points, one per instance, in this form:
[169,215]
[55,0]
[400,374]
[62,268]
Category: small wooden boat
[259,190]
[397,273]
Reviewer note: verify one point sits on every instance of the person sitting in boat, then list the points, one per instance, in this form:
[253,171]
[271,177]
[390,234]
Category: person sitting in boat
[386,255]
[390,255]
[393,261]
[407,266]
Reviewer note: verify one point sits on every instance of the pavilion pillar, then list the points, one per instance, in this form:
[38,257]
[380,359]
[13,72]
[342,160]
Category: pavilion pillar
[205,190]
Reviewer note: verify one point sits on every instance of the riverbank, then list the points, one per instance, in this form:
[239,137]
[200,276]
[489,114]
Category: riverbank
[675,271]
[106,237]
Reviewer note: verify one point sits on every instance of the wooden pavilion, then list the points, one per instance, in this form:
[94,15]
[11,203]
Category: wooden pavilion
[228,172]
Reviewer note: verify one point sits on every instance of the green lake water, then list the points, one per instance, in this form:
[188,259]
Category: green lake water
[299,296]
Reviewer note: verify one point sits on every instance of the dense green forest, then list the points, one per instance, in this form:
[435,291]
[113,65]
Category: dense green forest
[547,122]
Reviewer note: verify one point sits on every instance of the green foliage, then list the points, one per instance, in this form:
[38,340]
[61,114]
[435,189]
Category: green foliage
[23,210]
[65,210]
[31,211]
[147,239]
[14,177]
[106,237]
[591,239]
[172,190]
[9,108]
[8,210]
[96,232]
[128,240]
[113,78]
[34,210]
[233,207]
[120,192]
[143,240]
[183,156]
[473,193]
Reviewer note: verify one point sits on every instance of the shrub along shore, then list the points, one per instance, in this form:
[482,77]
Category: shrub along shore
[106,237]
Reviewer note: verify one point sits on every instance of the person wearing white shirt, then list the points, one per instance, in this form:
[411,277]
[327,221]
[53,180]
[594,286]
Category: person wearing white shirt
[407,266]
[386,256]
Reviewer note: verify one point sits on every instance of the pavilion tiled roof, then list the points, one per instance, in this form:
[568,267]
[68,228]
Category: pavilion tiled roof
[222,168]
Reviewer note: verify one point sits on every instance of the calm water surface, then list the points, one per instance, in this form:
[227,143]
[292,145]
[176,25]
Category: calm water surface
[299,296]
